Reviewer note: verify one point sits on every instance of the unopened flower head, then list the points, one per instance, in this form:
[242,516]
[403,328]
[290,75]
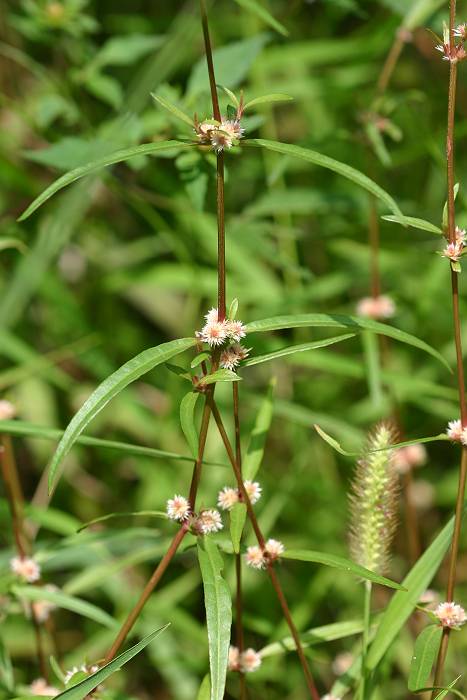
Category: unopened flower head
[253,490]
[41,687]
[208,521]
[255,558]
[7,410]
[250,660]
[178,508]
[227,498]
[379,307]
[274,549]
[406,458]
[454,52]
[234,659]
[233,355]
[429,597]
[455,249]
[454,430]
[461,31]
[374,501]
[26,568]
[451,615]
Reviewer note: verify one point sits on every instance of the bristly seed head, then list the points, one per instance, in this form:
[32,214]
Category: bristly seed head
[373,501]
[451,615]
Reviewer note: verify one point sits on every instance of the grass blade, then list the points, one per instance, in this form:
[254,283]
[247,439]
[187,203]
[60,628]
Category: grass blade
[293,349]
[187,420]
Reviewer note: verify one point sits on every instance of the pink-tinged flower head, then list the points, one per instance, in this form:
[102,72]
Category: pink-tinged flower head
[450,615]
[250,660]
[227,498]
[41,687]
[274,549]
[212,315]
[235,330]
[178,508]
[253,490]
[234,659]
[26,568]
[225,134]
[255,557]
[429,597]
[214,333]
[43,608]
[232,356]
[209,521]
[454,430]
[203,131]
[376,307]
[7,410]
[461,31]
[406,458]
[464,437]
[453,251]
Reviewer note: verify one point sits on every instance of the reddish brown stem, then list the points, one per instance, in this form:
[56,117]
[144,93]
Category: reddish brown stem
[240,637]
[261,541]
[208,50]
[391,61]
[220,238]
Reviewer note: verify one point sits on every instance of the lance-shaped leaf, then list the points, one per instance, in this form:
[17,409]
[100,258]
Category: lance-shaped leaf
[442,437]
[218,613]
[416,223]
[110,387]
[187,420]
[145,149]
[237,516]
[129,514]
[221,375]
[336,166]
[317,635]
[341,321]
[255,450]
[341,563]
[293,349]
[265,99]
[424,655]
[175,111]
[260,11]
[67,602]
[81,690]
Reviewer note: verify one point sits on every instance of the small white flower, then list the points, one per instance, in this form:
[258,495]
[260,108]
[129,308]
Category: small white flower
[41,687]
[43,608]
[253,490]
[380,307]
[274,549]
[232,356]
[225,134]
[26,568]
[212,315]
[234,659]
[235,330]
[454,430]
[209,521]
[250,660]
[461,31]
[7,411]
[450,615]
[255,557]
[88,670]
[178,508]
[227,498]
[214,333]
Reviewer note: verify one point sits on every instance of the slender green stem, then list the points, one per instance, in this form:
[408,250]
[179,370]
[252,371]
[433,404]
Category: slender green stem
[365,636]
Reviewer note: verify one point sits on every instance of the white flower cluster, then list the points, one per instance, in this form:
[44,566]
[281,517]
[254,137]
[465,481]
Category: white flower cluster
[219,135]
[88,670]
[215,332]
[228,496]
[209,520]
[451,615]
[245,662]
[26,568]
[454,250]
[456,432]
[258,558]
[456,52]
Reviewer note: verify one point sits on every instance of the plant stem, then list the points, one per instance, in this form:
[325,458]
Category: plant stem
[208,50]
[365,636]
[391,61]
[240,637]
[220,238]
[458,342]
[261,541]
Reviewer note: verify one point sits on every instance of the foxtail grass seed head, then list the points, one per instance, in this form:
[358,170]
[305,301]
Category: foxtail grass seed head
[250,661]
[26,568]
[373,501]
[409,457]
[380,307]
[255,558]
[454,430]
[451,615]
[41,687]
[208,521]
[7,410]
[227,498]
[178,508]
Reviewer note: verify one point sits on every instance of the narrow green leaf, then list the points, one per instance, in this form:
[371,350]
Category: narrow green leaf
[317,635]
[264,99]
[255,450]
[261,12]
[95,165]
[444,690]
[6,243]
[231,94]
[442,437]
[80,690]
[204,692]
[341,321]
[130,514]
[110,387]
[54,665]
[173,109]
[293,349]
[341,563]
[6,668]
[187,420]
[218,613]
[202,357]
[415,223]
[222,375]
[331,164]
[237,522]
[68,602]
[424,655]
[445,208]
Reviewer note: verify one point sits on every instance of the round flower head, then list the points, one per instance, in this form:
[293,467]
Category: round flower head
[422,494]
[450,615]
[250,660]
[454,430]
[43,608]
[405,458]
[225,134]
[255,558]
[203,131]
[274,549]
[234,659]
[41,687]
[209,521]
[464,437]
[227,498]
[214,333]
[178,508]
[26,568]
[232,356]
[212,315]
[235,330]
[253,490]
[7,410]
[376,307]
[461,31]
